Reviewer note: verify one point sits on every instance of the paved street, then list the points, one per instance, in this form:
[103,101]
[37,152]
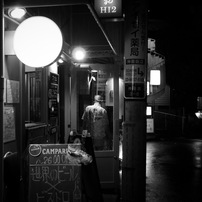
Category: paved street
[174,171]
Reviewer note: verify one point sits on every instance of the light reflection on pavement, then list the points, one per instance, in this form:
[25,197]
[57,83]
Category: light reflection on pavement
[174,171]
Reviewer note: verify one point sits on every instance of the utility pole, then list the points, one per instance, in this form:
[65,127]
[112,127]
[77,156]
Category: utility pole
[1,101]
[134,125]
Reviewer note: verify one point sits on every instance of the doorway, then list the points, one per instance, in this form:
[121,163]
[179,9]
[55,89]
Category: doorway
[103,80]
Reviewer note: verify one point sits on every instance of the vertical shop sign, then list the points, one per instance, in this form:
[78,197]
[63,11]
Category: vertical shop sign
[135,52]
[102,77]
[150,125]
[53,95]
[53,110]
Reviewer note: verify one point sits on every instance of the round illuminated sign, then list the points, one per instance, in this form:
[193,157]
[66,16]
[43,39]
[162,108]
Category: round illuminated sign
[38,42]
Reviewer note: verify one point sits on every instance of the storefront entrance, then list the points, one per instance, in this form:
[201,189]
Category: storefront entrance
[85,84]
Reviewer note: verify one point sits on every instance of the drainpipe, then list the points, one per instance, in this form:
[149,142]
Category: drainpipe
[1,102]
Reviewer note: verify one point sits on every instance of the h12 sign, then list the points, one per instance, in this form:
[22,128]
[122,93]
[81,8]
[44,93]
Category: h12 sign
[108,8]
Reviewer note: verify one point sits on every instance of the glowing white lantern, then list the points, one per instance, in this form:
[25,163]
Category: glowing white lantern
[38,42]
[78,53]
[155,77]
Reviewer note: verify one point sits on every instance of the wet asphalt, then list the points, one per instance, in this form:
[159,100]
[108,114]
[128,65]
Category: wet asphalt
[174,170]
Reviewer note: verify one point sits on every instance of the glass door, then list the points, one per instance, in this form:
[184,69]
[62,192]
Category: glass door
[103,80]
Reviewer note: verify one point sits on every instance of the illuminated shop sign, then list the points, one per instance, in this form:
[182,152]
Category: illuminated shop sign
[135,51]
[108,8]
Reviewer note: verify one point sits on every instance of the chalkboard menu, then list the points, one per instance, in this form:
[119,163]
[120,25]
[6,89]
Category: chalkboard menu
[53,91]
[54,173]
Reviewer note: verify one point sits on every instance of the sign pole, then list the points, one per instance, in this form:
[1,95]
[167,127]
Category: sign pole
[134,125]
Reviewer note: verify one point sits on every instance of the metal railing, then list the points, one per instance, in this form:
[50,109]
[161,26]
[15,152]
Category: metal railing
[168,124]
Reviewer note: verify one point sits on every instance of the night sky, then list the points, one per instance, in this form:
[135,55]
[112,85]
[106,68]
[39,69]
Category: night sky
[177,28]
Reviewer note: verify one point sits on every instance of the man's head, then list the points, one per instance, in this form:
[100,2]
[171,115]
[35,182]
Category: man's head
[98,98]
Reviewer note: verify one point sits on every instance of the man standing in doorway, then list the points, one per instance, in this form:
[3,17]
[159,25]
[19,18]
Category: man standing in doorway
[95,121]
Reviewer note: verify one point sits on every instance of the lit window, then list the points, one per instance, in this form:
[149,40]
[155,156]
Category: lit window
[155,77]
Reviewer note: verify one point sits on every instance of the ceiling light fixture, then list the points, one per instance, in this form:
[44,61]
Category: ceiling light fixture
[17,13]
[60,60]
[78,53]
